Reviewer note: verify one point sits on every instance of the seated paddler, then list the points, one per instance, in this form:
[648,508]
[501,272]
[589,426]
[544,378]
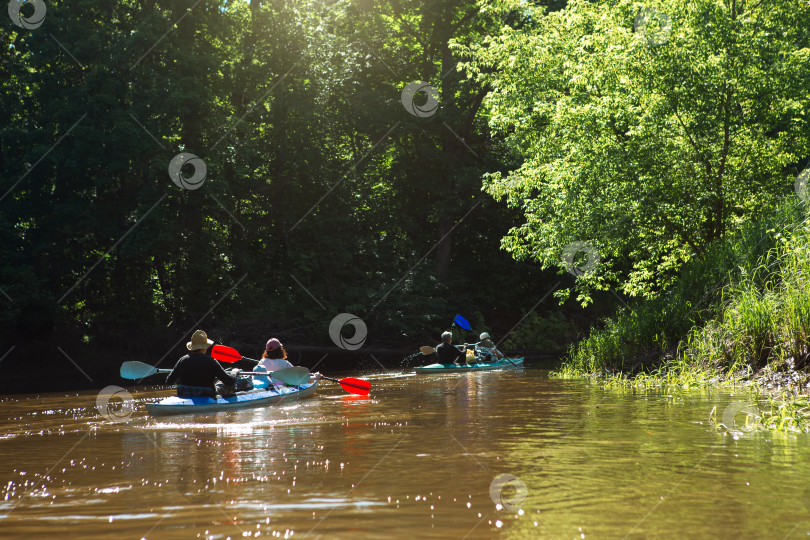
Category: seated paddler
[447,352]
[274,358]
[485,350]
[197,373]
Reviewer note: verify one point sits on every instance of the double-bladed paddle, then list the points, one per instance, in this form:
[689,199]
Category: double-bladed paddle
[427,350]
[352,385]
[349,384]
[228,354]
[294,376]
[464,323]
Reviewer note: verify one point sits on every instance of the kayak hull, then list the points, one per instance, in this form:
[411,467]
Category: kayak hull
[452,368]
[252,398]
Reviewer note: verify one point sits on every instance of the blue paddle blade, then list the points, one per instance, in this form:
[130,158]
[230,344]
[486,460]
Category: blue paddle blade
[462,322]
[137,370]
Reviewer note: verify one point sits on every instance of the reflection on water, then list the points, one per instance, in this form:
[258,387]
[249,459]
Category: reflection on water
[478,455]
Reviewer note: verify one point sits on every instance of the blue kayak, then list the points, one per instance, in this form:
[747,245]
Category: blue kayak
[460,368]
[257,397]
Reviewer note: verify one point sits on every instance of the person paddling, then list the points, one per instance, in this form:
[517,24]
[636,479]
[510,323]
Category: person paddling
[447,352]
[486,350]
[196,373]
[274,358]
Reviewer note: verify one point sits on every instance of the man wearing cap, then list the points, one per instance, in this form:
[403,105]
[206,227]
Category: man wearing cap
[196,373]
[486,350]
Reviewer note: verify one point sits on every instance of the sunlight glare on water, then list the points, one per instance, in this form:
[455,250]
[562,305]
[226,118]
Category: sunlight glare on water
[505,454]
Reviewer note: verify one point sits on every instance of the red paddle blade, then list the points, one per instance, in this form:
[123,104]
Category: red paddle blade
[355,386]
[225,354]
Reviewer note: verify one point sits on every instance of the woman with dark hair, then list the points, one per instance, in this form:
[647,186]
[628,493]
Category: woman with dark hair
[274,358]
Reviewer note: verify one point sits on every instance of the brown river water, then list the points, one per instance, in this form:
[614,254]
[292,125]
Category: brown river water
[509,454]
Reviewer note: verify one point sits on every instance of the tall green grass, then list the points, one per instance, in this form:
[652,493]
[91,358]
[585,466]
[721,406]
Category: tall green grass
[743,306]
[765,314]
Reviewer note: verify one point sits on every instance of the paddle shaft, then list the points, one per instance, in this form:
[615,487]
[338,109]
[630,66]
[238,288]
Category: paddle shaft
[271,373]
[230,355]
[504,356]
[514,364]
[344,382]
[322,377]
[264,373]
[257,372]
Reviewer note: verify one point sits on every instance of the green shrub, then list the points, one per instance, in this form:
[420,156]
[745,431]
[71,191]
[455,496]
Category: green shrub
[743,305]
[547,334]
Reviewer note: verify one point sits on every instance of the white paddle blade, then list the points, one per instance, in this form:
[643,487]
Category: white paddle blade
[137,370]
[294,376]
[424,349]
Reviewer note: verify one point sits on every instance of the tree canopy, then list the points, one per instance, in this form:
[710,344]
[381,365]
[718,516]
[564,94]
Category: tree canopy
[648,131]
[321,188]
[263,165]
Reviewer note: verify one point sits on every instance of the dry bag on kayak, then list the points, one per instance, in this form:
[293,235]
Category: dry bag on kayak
[485,354]
[243,384]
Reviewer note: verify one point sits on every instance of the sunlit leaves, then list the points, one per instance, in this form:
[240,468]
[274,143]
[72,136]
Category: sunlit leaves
[652,149]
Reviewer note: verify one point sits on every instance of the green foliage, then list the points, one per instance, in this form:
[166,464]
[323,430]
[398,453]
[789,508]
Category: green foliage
[764,317]
[650,146]
[786,414]
[552,333]
[319,181]
[731,274]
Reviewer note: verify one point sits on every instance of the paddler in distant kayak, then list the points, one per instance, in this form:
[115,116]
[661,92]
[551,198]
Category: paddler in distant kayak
[274,358]
[196,373]
[485,350]
[447,352]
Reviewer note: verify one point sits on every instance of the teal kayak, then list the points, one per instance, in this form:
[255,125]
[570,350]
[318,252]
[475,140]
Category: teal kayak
[483,366]
[257,397]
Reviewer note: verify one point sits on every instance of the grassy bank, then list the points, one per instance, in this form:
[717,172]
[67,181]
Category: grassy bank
[739,316]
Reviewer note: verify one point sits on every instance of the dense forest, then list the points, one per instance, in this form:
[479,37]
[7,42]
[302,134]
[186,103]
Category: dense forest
[256,168]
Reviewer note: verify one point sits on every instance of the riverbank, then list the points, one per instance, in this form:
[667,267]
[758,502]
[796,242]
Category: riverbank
[740,317]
